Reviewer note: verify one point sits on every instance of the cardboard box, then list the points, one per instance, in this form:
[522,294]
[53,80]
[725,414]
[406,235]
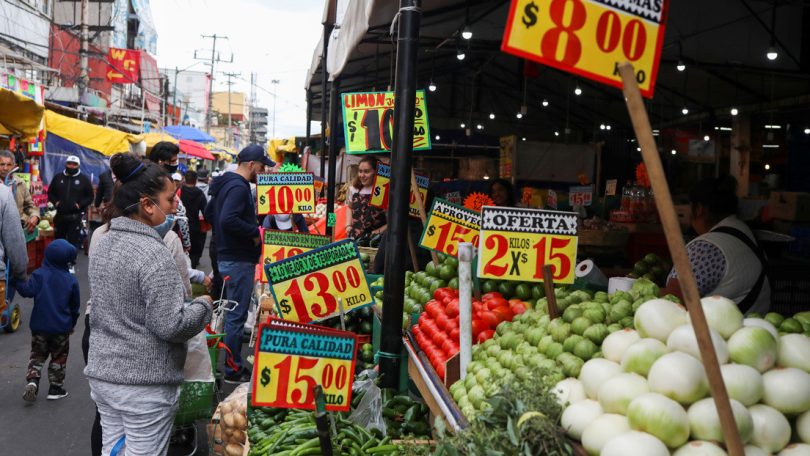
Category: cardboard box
[791,206]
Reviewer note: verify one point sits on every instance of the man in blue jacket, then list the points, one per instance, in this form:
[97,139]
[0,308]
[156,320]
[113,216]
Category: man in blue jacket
[238,245]
[56,309]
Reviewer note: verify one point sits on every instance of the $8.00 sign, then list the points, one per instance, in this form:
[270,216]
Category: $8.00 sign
[590,37]
[369,122]
[516,243]
[306,287]
[382,190]
[447,225]
[292,359]
[285,193]
[279,245]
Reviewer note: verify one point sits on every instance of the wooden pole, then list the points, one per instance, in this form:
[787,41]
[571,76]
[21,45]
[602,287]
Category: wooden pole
[672,230]
[551,298]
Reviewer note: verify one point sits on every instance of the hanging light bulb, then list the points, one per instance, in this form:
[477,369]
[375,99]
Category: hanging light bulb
[463,125]
[461,55]
[680,66]
[432,86]
[772,54]
[492,116]
[519,115]
[807,131]
[577,91]
[466,33]
[556,133]
[545,103]
[767,166]
[479,127]
[523,138]
[601,126]
[706,138]
[607,127]
[438,137]
[734,111]
[685,111]
[674,152]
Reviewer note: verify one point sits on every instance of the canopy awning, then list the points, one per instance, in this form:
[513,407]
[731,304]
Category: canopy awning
[153,138]
[103,140]
[19,115]
[189,133]
[195,149]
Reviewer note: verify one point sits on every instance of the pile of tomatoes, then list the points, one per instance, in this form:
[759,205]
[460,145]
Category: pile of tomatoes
[437,331]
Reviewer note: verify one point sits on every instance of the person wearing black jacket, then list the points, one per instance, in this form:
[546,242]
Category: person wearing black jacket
[104,191]
[195,201]
[71,192]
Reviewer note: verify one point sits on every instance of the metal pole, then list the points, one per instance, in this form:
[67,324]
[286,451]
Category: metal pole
[465,289]
[230,132]
[327,30]
[334,104]
[396,252]
[309,117]
[174,96]
[210,85]
[84,77]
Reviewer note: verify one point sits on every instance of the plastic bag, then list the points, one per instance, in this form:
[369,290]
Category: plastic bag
[198,360]
[226,431]
[368,413]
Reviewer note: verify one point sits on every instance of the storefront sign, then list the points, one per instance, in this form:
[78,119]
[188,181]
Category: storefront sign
[610,187]
[580,195]
[516,243]
[382,183]
[123,66]
[291,359]
[590,37]
[307,287]
[279,245]
[368,122]
[285,193]
[447,225]
[507,152]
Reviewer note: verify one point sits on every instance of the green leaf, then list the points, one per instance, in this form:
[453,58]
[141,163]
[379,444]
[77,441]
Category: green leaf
[510,430]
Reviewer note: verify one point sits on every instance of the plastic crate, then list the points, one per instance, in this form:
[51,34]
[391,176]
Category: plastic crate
[790,286]
[196,402]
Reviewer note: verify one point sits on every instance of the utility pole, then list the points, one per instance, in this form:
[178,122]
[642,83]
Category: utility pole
[230,83]
[84,77]
[275,82]
[252,104]
[214,59]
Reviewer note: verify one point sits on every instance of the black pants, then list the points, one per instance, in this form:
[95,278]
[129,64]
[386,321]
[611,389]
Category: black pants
[197,247]
[216,282]
[69,227]
[95,433]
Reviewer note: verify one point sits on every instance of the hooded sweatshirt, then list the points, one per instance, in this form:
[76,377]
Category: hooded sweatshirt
[232,213]
[55,291]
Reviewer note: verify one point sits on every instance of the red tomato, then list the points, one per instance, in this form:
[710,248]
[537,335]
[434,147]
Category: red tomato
[490,295]
[440,371]
[439,338]
[514,301]
[452,308]
[496,302]
[519,308]
[504,312]
[434,308]
[485,336]
[442,321]
[491,319]
[444,294]
[454,334]
[478,325]
[447,347]
[429,328]
[477,306]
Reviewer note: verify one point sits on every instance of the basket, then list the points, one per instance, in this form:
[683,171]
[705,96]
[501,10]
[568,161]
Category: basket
[196,402]
[602,238]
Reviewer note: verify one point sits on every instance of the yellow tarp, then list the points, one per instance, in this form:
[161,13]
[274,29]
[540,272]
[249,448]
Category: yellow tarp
[19,115]
[277,147]
[153,138]
[104,140]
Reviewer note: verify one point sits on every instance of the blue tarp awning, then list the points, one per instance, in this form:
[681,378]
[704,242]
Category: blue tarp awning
[190,133]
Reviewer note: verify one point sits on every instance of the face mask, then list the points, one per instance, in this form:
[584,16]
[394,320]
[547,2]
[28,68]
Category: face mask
[170,168]
[164,227]
[71,171]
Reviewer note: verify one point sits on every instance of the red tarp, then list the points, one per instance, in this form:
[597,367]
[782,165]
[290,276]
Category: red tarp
[195,149]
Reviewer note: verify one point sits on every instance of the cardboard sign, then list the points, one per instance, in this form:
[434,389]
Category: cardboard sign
[610,187]
[447,225]
[381,190]
[291,359]
[581,195]
[285,193]
[590,37]
[368,122]
[306,287]
[278,245]
[123,66]
[516,243]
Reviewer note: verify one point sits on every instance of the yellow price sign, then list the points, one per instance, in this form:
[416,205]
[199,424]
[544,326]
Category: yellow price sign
[382,188]
[307,287]
[369,122]
[285,193]
[278,245]
[447,225]
[515,244]
[291,359]
[590,37]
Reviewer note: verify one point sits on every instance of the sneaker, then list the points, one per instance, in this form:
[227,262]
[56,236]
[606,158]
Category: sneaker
[30,392]
[56,392]
[243,376]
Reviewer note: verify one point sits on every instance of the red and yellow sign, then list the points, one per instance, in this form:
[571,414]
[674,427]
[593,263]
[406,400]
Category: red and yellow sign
[447,225]
[279,245]
[291,359]
[285,193]
[307,287]
[123,66]
[382,187]
[590,37]
[369,122]
[516,243]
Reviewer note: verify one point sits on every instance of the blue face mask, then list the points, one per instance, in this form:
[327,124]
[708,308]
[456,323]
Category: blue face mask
[164,227]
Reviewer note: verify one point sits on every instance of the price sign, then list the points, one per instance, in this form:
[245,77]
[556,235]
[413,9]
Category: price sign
[590,37]
[552,199]
[516,243]
[381,190]
[279,245]
[285,193]
[447,225]
[581,195]
[291,359]
[610,187]
[369,122]
[306,287]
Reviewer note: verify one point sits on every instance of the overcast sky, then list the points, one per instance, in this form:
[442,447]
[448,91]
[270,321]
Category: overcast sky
[273,38]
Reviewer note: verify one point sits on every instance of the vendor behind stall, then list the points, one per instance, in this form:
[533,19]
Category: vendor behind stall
[29,212]
[725,257]
[363,219]
[502,193]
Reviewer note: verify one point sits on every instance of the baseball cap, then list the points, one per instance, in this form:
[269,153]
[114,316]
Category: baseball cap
[74,159]
[254,152]
[177,177]
[283,221]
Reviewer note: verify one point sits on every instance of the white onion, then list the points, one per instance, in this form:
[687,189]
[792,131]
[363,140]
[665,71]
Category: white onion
[658,317]
[803,427]
[743,383]
[634,443]
[700,448]
[796,449]
[704,422]
[771,428]
[578,416]
[753,347]
[595,372]
[617,393]
[659,416]
[616,343]
[794,351]
[751,450]
[762,323]
[683,339]
[680,377]
[568,391]
[722,314]
[602,429]
[641,355]
[787,390]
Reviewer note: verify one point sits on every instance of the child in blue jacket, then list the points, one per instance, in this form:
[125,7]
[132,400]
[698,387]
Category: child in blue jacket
[56,309]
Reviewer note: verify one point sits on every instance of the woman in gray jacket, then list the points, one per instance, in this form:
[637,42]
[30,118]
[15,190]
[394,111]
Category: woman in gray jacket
[139,324]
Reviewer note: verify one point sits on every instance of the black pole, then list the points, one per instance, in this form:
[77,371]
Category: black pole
[396,252]
[327,30]
[334,107]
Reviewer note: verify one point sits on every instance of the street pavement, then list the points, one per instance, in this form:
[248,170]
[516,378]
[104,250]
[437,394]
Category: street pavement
[53,428]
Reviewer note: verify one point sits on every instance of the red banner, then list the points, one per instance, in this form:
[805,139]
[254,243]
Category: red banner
[123,66]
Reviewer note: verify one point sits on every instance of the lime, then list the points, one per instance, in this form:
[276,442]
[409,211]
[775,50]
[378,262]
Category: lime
[652,259]
[640,269]
[488,286]
[453,283]
[774,318]
[538,291]
[447,272]
[523,291]
[791,325]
